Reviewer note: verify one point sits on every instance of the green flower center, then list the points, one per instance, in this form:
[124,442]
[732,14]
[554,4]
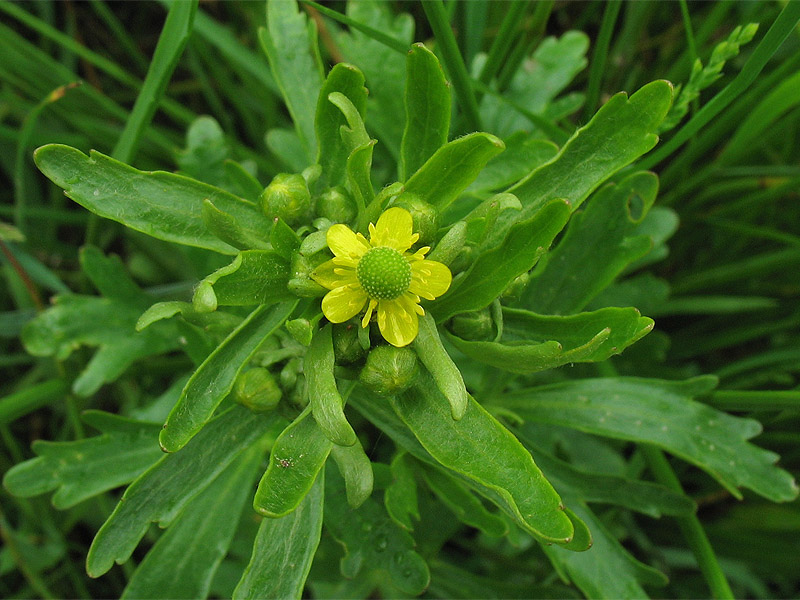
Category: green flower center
[384,273]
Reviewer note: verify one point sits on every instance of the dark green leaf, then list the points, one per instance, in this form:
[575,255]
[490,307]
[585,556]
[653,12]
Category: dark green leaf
[534,342]
[372,541]
[607,570]
[290,43]
[296,459]
[163,205]
[522,155]
[621,131]
[599,243]
[400,497]
[160,493]
[494,270]
[427,101]
[463,503]
[284,240]
[283,550]
[662,413]
[214,379]
[85,468]
[200,536]
[108,275]
[453,167]
[244,235]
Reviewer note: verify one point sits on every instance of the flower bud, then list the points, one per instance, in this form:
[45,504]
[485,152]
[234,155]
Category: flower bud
[257,390]
[476,326]
[424,215]
[452,242]
[346,346]
[337,205]
[389,370]
[204,299]
[287,197]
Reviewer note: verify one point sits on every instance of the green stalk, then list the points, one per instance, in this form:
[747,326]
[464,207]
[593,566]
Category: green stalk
[690,526]
[599,57]
[787,20]
[376,35]
[453,62]
[541,13]
[755,400]
[503,40]
[29,399]
[171,43]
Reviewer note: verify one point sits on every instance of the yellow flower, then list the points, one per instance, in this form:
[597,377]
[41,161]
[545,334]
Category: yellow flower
[381,274]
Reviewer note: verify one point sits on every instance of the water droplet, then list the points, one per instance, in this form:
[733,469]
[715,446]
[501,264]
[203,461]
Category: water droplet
[697,427]
[732,463]
[711,422]
[583,398]
[638,422]
[399,558]
[96,192]
[664,428]
[381,543]
[711,447]
[602,419]
[367,527]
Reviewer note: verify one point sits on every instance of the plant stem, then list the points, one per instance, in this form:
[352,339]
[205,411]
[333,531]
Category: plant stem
[690,526]
[453,62]
[599,57]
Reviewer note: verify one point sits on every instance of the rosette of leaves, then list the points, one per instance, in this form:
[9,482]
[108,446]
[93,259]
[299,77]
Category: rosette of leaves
[471,425]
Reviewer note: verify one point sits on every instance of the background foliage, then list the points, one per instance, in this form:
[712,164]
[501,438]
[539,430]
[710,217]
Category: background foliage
[683,427]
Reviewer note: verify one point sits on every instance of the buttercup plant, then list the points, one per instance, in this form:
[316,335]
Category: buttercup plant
[403,340]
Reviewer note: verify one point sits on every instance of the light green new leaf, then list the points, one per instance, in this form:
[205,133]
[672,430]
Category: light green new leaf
[162,491]
[85,468]
[428,102]
[108,275]
[607,570]
[356,469]
[332,150]
[283,551]
[254,277]
[620,132]
[290,43]
[482,450]
[163,205]
[662,413]
[532,342]
[295,460]
[206,152]
[214,379]
[463,503]
[445,373]
[326,403]
[495,269]
[73,321]
[599,243]
[442,178]
[372,541]
[200,536]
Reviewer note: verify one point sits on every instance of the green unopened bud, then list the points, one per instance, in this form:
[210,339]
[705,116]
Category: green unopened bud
[287,197]
[337,205]
[300,330]
[300,282]
[475,326]
[257,390]
[346,346]
[389,370]
[204,299]
[425,216]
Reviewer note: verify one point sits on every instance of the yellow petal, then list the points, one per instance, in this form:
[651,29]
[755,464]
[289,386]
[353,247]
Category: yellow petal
[429,279]
[330,275]
[397,320]
[394,229]
[343,303]
[343,242]
[368,313]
